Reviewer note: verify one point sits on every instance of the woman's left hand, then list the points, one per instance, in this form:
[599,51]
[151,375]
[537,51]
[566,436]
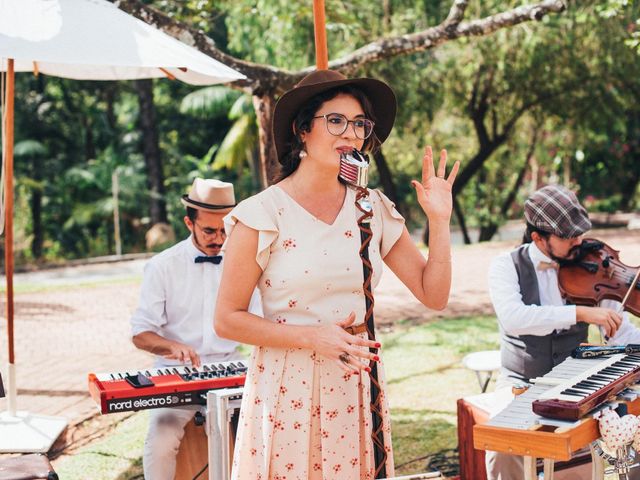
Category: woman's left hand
[434,192]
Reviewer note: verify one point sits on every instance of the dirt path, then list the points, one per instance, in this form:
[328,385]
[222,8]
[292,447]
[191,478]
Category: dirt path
[469,290]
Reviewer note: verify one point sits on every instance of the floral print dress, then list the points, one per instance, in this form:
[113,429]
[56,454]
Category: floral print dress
[302,417]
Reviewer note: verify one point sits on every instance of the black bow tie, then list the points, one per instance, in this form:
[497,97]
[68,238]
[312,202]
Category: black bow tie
[214,259]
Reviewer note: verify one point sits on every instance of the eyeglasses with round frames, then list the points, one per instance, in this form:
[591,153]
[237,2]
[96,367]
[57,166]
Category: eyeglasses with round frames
[337,124]
[211,232]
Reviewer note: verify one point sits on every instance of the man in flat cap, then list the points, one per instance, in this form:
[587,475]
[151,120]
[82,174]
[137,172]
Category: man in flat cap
[538,330]
[174,319]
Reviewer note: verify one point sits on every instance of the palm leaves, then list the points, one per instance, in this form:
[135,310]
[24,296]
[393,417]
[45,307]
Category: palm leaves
[238,148]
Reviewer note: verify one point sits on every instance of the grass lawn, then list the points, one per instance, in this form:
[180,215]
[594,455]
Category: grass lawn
[424,377]
[117,456]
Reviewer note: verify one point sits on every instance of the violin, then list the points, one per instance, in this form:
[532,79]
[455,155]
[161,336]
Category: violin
[596,273]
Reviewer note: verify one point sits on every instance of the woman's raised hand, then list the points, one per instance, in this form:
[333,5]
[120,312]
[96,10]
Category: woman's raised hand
[334,343]
[434,192]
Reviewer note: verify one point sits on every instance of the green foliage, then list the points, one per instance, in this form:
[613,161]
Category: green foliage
[574,77]
[29,148]
[209,102]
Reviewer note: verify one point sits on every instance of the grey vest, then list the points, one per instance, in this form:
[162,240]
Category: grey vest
[532,356]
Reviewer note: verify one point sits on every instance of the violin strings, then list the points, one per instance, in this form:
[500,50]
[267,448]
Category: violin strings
[623,277]
[626,279]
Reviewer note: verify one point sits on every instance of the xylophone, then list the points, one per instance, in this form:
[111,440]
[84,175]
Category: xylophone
[180,385]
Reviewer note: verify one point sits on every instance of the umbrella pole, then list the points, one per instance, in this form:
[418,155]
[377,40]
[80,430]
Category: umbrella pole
[322,57]
[8,231]
[20,432]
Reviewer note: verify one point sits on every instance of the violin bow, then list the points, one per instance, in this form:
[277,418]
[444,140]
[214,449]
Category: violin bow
[631,288]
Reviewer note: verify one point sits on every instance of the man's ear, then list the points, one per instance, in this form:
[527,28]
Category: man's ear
[188,223]
[535,236]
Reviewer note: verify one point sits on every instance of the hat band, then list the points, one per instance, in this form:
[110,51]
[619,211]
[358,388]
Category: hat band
[206,205]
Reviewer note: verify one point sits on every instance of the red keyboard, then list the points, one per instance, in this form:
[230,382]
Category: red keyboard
[162,387]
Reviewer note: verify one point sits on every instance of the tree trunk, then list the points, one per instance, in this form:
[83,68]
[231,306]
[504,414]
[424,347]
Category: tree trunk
[36,210]
[629,184]
[151,151]
[487,232]
[425,233]
[256,171]
[628,189]
[460,216]
[89,144]
[269,166]
[110,99]
[386,180]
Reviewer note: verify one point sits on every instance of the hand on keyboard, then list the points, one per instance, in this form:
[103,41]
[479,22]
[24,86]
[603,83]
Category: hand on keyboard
[183,353]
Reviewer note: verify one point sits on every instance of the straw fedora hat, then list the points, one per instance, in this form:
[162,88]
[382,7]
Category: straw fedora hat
[210,195]
[379,94]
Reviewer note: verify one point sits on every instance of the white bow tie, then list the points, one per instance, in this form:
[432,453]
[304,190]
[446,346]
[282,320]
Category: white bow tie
[542,266]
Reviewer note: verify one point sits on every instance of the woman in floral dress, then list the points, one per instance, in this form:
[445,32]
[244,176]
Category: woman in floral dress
[306,405]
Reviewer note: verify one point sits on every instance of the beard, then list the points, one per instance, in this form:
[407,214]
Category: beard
[206,246]
[570,255]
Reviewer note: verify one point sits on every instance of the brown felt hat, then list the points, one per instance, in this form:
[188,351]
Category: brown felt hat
[379,94]
[210,195]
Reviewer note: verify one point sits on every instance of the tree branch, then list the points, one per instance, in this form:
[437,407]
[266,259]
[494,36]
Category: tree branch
[456,14]
[434,36]
[259,77]
[266,78]
[520,178]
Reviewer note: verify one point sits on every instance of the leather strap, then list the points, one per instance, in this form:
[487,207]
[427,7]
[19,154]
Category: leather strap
[356,329]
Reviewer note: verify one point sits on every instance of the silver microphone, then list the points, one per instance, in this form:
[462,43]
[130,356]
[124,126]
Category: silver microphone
[354,168]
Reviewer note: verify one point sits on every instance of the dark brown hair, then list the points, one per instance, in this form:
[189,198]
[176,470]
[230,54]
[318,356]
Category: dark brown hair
[302,123]
[192,213]
[531,229]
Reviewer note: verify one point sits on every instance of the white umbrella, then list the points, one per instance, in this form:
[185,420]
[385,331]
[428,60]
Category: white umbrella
[94,40]
[83,40]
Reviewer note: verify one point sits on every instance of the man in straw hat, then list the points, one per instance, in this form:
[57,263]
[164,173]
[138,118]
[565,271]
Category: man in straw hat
[174,319]
[538,328]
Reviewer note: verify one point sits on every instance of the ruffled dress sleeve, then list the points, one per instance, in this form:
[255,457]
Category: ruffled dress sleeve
[257,213]
[390,219]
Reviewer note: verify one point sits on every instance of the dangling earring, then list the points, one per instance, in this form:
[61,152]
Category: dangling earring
[302,154]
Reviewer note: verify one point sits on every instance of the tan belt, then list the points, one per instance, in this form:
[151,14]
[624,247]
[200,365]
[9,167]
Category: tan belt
[356,329]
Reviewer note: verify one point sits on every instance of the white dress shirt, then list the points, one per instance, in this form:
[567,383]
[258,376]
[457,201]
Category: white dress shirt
[178,301]
[552,314]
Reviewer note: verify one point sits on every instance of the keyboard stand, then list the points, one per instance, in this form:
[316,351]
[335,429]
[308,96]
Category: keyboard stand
[597,464]
[223,409]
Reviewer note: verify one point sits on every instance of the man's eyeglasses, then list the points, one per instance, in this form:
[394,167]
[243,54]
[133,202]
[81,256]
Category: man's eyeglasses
[211,232]
[337,124]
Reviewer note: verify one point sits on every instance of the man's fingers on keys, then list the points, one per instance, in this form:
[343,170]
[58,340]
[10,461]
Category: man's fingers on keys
[195,358]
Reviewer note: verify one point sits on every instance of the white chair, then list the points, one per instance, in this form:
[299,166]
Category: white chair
[483,364]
